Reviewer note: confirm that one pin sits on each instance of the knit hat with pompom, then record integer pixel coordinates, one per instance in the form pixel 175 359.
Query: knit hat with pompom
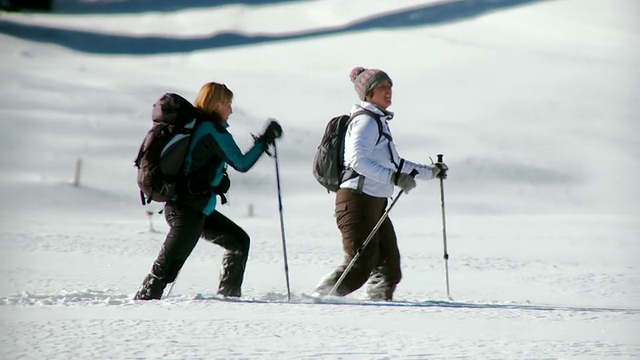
pixel 366 79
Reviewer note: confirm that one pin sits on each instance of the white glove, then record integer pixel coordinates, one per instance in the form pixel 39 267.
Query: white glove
pixel 439 170
pixel 406 182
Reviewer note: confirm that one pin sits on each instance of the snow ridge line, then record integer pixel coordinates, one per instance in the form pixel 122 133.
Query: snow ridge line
pixel 304 299
pixel 110 297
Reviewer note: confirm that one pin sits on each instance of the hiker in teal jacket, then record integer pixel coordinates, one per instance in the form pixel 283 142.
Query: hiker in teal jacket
pixel 212 148
pixel 192 213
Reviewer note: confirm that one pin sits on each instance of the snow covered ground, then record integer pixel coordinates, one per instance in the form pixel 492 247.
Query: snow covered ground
pixel 533 103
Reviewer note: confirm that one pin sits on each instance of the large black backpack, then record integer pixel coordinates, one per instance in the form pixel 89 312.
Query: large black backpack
pixel 164 148
pixel 328 162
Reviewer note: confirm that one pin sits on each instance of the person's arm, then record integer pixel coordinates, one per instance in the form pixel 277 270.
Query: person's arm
pixel 221 142
pixel 425 172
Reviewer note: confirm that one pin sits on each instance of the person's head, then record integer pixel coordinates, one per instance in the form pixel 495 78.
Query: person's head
pixel 215 98
pixel 372 85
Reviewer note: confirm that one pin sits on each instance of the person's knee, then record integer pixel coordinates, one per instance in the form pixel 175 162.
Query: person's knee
pixel 243 243
pixel 239 243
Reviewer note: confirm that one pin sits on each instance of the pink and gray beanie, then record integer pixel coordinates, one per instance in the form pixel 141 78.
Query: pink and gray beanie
pixel 366 79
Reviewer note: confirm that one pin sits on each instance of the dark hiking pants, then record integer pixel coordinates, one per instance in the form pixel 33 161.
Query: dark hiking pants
pixel 379 262
pixel 186 227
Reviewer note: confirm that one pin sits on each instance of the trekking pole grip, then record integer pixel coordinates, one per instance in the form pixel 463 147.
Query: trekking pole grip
pixel 440 156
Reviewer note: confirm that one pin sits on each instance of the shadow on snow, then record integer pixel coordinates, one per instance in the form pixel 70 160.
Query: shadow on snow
pixel 100 43
pixel 140 6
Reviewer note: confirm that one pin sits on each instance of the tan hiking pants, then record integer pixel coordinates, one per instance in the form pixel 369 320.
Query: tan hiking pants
pixel 379 263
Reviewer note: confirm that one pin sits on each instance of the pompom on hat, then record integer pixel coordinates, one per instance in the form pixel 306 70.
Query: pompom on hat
pixel 366 79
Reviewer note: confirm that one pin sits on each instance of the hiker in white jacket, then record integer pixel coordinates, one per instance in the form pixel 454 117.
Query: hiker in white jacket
pixel 373 168
pixel 372 154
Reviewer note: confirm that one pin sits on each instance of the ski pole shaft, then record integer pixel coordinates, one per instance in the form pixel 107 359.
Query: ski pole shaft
pixel 172 284
pixel 284 243
pixel 444 232
pixel 367 240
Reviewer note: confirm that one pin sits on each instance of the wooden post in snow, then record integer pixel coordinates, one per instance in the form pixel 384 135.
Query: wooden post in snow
pixel 76 178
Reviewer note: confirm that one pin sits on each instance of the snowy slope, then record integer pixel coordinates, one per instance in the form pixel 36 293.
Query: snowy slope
pixel 533 103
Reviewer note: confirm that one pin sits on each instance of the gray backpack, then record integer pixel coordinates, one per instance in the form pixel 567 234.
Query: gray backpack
pixel 328 162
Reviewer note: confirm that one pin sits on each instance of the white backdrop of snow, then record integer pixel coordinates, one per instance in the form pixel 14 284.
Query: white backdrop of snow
pixel 535 108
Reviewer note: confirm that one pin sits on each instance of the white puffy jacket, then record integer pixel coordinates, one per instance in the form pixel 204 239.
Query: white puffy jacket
pixel 376 160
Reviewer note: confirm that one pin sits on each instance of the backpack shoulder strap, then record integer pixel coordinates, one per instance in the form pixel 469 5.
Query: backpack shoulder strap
pixel 380 134
pixel 373 115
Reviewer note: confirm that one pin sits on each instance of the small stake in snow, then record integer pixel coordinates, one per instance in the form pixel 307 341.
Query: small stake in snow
pixel 444 233
pixel 76 178
pixel 150 215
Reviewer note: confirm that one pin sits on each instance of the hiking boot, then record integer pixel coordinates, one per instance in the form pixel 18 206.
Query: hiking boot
pixel 151 288
pixel 232 273
pixel 379 288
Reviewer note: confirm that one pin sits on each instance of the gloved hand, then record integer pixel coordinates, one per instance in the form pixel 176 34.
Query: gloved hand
pixel 439 170
pixel 406 182
pixel 272 132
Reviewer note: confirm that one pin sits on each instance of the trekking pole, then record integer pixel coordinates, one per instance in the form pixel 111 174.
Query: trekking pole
pixel 368 239
pixel 284 244
pixel 172 284
pixel 444 232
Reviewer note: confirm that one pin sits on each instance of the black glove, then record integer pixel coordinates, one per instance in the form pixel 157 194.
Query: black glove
pixel 439 170
pixel 272 132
